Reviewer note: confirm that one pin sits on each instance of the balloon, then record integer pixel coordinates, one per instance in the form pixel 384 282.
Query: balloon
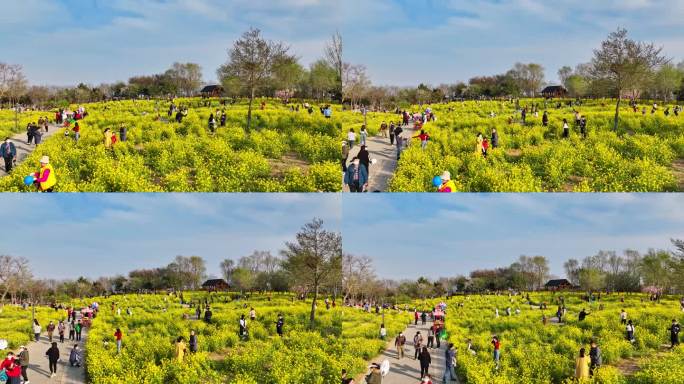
pixel 437 181
pixel 29 180
pixel 3 344
pixel 373 161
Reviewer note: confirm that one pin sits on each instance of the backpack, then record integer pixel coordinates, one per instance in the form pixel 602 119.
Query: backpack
pixel 3 376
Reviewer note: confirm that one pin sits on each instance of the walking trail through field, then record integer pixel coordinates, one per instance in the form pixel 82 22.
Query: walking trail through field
pixel 385 153
pixel 39 368
pixel 23 149
pixel 407 370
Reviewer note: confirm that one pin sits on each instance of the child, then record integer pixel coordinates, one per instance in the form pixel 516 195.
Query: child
pixel 485 147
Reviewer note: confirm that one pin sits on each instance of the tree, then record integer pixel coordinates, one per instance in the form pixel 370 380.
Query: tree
pixel 577 85
pixel 572 270
pixel 12 269
pixel 252 61
pixel 186 77
pixel 529 77
pixel 12 82
pixel 313 259
pixel 355 82
pixel 323 79
pixel 243 279
pixel 227 267
pixel 624 64
pixel 667 80
pixel 333 55
pixel 564 74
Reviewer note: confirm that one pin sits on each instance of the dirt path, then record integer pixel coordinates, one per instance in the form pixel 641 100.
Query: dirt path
pixel 23 149
pixel 407 370
pixel 385 153
pixel 632 365
pixel 39 369
pixel 678 169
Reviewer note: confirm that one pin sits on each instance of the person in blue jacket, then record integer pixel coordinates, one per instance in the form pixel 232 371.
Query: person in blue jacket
pixel 9 153
pixel 356 176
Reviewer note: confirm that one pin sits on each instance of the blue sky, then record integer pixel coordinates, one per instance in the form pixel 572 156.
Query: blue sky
pixel 433 235
pixel 92 235
pixel 402 42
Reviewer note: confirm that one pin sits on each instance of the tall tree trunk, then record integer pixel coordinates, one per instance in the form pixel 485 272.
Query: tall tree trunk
pixel 312 316
pixel 617 112
pixel 249 110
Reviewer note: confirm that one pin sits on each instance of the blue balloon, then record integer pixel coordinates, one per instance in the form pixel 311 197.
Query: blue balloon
pixel 437 181
pixel 29 180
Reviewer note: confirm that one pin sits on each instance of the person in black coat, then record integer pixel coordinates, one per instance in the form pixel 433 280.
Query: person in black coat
pixel 674 333
pixel 425 361
pixel 53 356
pixel 495 138
pixel 364 157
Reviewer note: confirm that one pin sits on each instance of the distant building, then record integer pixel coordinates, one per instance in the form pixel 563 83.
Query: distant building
pixel 212 91
pixel 554 91
pixel 558 285
pixel 214 285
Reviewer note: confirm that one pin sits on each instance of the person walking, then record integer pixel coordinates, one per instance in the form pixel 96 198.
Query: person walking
pixel 391 133
pixel 497 350
pixel 345 156
pixel 180 349
pixel 383 332
pixel 243 327
pixel 630 331
pixel 623 317
pixel 118 335
pixel 566 129
pixel 192 342
pixel 363 135
pixel 36 330
pixel 399 343
pixel 582 365
pixel 595 357
pixel 77 132
pixel 674 333
pixel 545 119
pixel 8 152
pixel 78 327
pixel 417 344
pixel 50 331
pixel 279 325
pixel 123 132
pixel 356 176
pixel 449 363
pixel 351 138
pixel 61 328
pixel 107 138
pixel 72 330
pixel 425 361
pixel 364 157
pixel 431 338
pixel 495 139
pixel 53 356
pixel 24 361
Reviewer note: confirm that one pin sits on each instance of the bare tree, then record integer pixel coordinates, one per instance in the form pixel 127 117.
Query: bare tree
pixel 251 64
pixel 227 268
pixel 12 82
pixel 355 82
pixel 313 258
pixel 623 64
pixel 333 55
pixel 13 271
pixel 186 77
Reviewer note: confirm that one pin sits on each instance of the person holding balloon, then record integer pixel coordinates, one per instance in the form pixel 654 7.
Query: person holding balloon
pixel 45 178
pixel 444 183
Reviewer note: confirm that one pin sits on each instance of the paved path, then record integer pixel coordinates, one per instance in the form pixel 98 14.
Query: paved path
pixel 380 149
pixel 23 149
pixel 407 370
pixel 39 369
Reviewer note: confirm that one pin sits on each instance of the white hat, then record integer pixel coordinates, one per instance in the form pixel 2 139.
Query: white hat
pixel 446 175
pixel 45 160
